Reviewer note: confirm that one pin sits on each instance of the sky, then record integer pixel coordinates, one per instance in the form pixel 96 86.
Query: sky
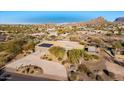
pixel 40 17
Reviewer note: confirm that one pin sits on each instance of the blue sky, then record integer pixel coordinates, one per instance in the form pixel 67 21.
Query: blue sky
pixel 37 17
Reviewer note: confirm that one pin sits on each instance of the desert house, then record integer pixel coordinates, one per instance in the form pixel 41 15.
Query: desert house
pixel 92 49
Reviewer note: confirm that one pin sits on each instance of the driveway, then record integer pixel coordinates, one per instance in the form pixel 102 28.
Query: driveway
pixel 50 68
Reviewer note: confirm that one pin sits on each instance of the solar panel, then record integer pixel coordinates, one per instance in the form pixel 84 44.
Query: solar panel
pixel 45 45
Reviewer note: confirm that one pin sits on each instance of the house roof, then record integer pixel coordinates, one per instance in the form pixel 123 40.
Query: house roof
pixel 2 38
pixel 91 48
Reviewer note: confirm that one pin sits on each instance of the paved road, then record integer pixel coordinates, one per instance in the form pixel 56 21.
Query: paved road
pixel 17 77
pixel 20 77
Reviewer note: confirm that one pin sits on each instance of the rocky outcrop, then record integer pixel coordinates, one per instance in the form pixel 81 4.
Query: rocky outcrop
pixel 119 20
pixel 99 20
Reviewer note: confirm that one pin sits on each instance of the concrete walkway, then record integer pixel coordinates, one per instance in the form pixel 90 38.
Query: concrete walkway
pixel 50 68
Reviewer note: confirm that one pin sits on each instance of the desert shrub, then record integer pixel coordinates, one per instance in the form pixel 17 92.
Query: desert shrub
pixel 14 48
pixel 74 55
pixel 18 44
pixel 74 38
pixel 50 59
pixel 97 41
pixel 117 44
pixel 60 31
pixel 82 43
pixel 1 63
pixel 108 73
pixel 57 51
pixel 83 68
pixel 2 47
pixel 108 34
pixel 15 45
pixel 65 61
pixel 44 57
pixel 59 59
pixel 87 56
pixel 30 69
pixel 112 75
pixel 122 43
pixel 99 78
pixel 74 76
pixel 9 57
pixel 95 57
pixel 30 45
pixel 5 57
pixel 91 75
pixel 53 37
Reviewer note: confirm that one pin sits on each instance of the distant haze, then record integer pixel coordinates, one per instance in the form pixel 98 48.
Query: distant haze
pixel 40 17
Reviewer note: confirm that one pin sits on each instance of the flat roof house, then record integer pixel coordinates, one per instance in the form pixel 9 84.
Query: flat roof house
pixel 2 38
pixel 92 49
